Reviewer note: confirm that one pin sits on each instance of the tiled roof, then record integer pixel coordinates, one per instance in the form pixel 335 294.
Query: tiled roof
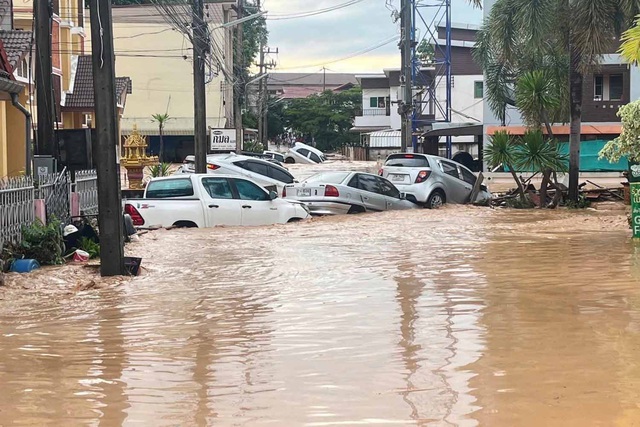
pixel 82 95
pixel 313 79
pixel 16 43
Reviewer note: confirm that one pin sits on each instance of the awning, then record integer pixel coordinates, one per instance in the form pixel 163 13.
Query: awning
pixel 368 129
pixel 385 139
pixel 454 129
pixel 587 129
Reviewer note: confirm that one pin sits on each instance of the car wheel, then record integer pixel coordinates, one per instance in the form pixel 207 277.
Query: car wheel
pixel 436 200
pixel 355 209
pixel 289 160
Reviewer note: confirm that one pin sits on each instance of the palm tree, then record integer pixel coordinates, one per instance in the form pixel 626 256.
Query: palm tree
pixel 520 35
pixel 502 152
pixel 536 154
pixel 162 120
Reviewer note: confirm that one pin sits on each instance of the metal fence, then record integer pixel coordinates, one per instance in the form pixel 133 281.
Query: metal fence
pixel 86 185
pixel 55 190
pixel 16 207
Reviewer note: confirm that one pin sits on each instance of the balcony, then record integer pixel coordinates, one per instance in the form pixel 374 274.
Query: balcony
pixel 375 112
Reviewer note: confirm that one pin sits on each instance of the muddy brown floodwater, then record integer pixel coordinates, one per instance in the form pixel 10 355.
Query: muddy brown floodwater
pixel 455 317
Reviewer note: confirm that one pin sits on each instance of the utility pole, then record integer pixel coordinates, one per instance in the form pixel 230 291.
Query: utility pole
pixel 263 98
pixel 324 79
pixel 104 147
pixel 262 138
pixel 199 95
pixel 407 70
pixel 239 80
pixel 43 10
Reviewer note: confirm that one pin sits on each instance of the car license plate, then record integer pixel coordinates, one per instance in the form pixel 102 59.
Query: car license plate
pixel 305 192
pixel 397 178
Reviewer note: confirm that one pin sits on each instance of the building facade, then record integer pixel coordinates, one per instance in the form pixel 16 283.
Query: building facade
pixel 158 59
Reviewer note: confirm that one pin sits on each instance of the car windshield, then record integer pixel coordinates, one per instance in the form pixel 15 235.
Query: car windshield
pixel 329 177
pixel 407 161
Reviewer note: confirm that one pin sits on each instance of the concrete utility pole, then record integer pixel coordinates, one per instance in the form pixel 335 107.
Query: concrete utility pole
pixel 200 45
pixel 407 68
pixel 263 97
pixel 43 10
pixel 104 147
pixel 239 83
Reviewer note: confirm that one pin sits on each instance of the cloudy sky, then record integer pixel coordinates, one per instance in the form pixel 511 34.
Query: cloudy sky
pixel 307 44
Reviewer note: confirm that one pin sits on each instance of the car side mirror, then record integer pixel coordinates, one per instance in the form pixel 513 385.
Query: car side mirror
pixel 273 195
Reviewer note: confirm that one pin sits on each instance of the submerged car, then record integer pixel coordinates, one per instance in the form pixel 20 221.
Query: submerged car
pixel 432 180
pixel 306 154
pixel 265 173
pixel 334 193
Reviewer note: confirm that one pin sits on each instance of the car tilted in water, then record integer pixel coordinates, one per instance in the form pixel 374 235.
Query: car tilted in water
pixel 305 154
pixel 334 193
pixel 431 180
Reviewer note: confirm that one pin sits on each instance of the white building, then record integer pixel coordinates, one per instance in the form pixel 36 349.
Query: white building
pixel 380 122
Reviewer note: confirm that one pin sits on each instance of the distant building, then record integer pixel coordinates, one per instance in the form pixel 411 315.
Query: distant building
pixel 301 85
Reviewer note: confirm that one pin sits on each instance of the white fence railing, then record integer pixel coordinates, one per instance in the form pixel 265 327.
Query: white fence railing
pixel 18 197
pixel 16 207
pixel 86 185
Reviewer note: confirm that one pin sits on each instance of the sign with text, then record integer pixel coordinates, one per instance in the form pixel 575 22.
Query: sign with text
pixel 634 180
pixel 222 139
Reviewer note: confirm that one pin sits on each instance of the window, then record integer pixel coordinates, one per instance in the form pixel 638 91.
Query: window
pixel 449 169
pixel 259 168
pixel 303 152
pixel 218 188
pixel 468 177
pixel 378 102
pixel 315 157
pixel 407 161
pixel 249 191
pixel 167 188
pixel 478 90
pixel 280 175
pixel 615 87
pixel 353 183
pixel 598 88
pixel 368 183
pixel 388 189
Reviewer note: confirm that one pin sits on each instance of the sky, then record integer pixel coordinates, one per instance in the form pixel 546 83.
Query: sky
pixel 307 44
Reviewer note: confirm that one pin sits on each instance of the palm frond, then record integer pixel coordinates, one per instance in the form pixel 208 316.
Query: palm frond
pixel 501 150
pixel 536 97
pixel 592 29
pixel 630 46
pixel 534 153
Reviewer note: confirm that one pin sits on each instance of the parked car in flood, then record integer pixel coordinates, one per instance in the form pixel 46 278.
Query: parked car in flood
pixel 264 172
pixel 334 193
pixel 305 154
pixel 432 180
pixel 279 157
pixel 203 200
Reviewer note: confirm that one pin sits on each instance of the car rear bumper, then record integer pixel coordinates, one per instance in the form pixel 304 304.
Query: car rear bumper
pixel 419 191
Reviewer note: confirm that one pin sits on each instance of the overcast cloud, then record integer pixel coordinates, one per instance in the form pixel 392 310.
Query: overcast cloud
pixel 305 44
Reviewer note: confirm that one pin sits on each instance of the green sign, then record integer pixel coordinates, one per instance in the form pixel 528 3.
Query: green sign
pixel 634 180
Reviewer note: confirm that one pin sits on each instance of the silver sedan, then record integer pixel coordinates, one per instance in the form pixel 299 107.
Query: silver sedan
pixel 334 193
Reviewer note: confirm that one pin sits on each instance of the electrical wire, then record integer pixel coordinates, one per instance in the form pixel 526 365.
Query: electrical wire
pixel 278 17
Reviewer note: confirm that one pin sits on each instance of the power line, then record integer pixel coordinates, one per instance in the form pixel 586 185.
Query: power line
pixel 353 55
pixel 278 17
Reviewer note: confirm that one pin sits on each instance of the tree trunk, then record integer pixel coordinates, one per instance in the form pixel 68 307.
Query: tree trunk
pixel 518 183
pixel 160 155
pixel 546 174
pixel 575 82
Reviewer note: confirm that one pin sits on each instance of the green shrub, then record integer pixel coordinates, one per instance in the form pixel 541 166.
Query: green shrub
pixel 39 242
pixel 90 247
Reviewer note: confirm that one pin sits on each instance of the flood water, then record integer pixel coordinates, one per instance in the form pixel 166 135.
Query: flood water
pixel 455 317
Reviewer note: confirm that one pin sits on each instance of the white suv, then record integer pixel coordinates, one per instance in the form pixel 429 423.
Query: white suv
pixel 303 153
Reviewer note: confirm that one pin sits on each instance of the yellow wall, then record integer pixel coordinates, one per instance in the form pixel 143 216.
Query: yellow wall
pixel 16 138
pixel 3 138
pixel 160 84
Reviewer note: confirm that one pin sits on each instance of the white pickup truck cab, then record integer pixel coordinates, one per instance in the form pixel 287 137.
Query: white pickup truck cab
pixel 202 200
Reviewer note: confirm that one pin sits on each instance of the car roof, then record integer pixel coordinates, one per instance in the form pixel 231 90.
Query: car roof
pixel 308 147
pixel 430 156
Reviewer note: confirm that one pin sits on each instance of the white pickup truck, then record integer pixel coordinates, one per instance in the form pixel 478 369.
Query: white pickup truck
pixel 201 200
